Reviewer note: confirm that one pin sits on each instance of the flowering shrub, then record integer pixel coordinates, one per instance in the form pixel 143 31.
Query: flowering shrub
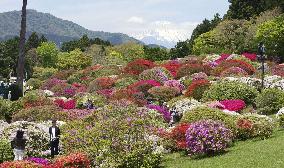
pixel 20 164
pixel 72 160
pixel 158 74
pixel 207 137
pixel 144 85
pixel 96 99
pixel 138 66
pixel 34 83
pixel 163 93
pixel 165 112
pixel 172 66
pixel 251 56
pixel 189 69
pixel 233 71
pixel 278 70
pixel 124 82
pixel 222 58
pixel 206 113
pixel 40 161
pixel 199 76
pixel 178 135
pixel 63 89
pixel 5 150
pixel 130 95
pixel 69 104
pixel 228 90
pixel 79 87
pixel 107 93
pixel 49 83
pixel 75 114
pixel 64 74
pixel 197 88
pixel 175 84
pixel 101 83
pixel 39 113
pixel 269 101
pixel 43 73
pixel 244 127
pixel 183 104
pixel 234 63
pixel 262 126
pixel 35 98
pixel 233 105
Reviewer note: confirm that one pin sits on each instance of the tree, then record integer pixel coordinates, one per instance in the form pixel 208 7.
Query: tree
pixel 155 53
pixel 21 59
pixel 48 53
pixel 33 41
pixel 42 39
pixel 244 9
pixel 181 50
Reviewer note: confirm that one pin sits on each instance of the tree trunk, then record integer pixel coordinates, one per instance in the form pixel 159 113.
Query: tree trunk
pixel 21 59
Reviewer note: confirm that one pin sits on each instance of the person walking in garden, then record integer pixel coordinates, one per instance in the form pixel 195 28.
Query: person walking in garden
pixel 54 133
pixel 18 144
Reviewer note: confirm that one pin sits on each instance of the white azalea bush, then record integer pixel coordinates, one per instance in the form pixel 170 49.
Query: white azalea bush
pixel 184 104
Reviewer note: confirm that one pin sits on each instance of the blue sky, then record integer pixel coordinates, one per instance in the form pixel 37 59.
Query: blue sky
pixel 133 17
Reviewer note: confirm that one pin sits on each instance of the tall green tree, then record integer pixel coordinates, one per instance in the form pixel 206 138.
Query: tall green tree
pixel 155 53
pixel 33 41
pixel 21 59
pixel 246 9
pixel 48 54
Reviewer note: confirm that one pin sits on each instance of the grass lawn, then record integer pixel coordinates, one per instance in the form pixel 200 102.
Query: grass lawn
pixel 245 154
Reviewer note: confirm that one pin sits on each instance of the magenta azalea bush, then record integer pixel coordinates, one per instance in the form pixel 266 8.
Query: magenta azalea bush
pixel 233 105
pixel 175 84
pixel 41 161
pixel 162 110
pixel 207 137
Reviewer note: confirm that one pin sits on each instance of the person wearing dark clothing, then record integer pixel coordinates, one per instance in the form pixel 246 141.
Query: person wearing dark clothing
pixel 18 144
pixel 54 133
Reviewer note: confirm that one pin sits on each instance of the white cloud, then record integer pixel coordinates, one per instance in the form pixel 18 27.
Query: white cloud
pixel 135 19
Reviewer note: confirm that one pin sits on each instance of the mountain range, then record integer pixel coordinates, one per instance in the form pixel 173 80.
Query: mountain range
pixel 53 28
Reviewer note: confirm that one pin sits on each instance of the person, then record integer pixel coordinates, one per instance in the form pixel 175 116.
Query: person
pixel 18 144
pixel 54 133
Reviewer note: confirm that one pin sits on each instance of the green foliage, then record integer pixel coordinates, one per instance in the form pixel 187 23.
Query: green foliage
pixel 269 101
pixel 243 9
pixel 6 109
pixel 34 83
pixel 124 82
pixel 271 33
pixel 43 73
pixel 206 43
pixel 48 53
pixel 6 153
pixel 33 41
pixel 163 93
pixel 155 54
pixel 159 74
pixel 40 113
pixel 181 49
pixel 97 100
pixel 75 59
pixel 129 51
pixel 226 90
pixel 206 113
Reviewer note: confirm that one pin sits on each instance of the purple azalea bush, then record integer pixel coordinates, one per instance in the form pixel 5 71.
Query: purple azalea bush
pixel 40 161
pixel 207 137
pixel 162 110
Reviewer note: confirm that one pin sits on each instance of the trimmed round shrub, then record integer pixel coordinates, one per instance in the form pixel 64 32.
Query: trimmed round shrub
pixel 233 105
pixel 72 160
pixel 189 69
pixel 39 113
pixel 63 89
pixel 138 66
pixel 43 73
pixel 101 83
pixel 34 83
pixel 175 84
pixel 208 137
pixel 124 82
pixel 163 93
pixel 64 74
pixel 96 99
pixel 197 88
pixel 199 76
pixel 6 151
pixel 206 113
pixel 234 63
pixel 172 66
pixel 178 135
pixel 143 86
pixel 269 101
pixel 278 70
pixel 49 83
pixel 158 74
pixel 228 90
pixel 35 98
pixel 233 71
pixel 262 126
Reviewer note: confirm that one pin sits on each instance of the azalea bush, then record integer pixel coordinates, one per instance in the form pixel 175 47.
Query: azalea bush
pixel 197 88
pixel 63 89
pixel 68 104
pixel 101 83
pixel 227 90
pixel 175 84
pixel 6 153
pixel 172 66
pixel 278 70
pixel 20 164
pixel 158 74
pixel 269 101
pixel 182 104
pixel 64 74
pixel 199 76
pixel 96 99
pixel 233 105
pixel 51 82
pixel 234 63
pixel 245 128
pixel 163 93
pixel 208 137
pixel 138 66
pixel 72 160
pixel 35 98
pixel 189 69
pixel 233 71
pixel 178 135
pixel 124 82
pixel 34 83
pixel 206 113
pixel 144 85
pixel 40 161
pixel 162 110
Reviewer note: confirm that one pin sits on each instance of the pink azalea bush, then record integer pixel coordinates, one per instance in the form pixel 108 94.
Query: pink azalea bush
pixel 251 56
pixel 174 84
pixel 233 105
pixel 199 76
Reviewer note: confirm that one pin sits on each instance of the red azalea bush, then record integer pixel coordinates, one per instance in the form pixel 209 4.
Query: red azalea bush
pixel 35 98
pixel 233 71
pixel 101 83
pixel 278 70
pixel 21 164
pixel 188 69
pixel 69 104
pixel 64 74
pixel 222 58
pixel 79 87
pixel 73 160
pixel 106 92
pixel 163 93
pixel 251 56
pixel 197 88
pixel 234 63
pixel 233 105
pixel 130 95
pixel 178 135
pixel 245 128
pixel 138 66
pixel 143 85
pixel 172 66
